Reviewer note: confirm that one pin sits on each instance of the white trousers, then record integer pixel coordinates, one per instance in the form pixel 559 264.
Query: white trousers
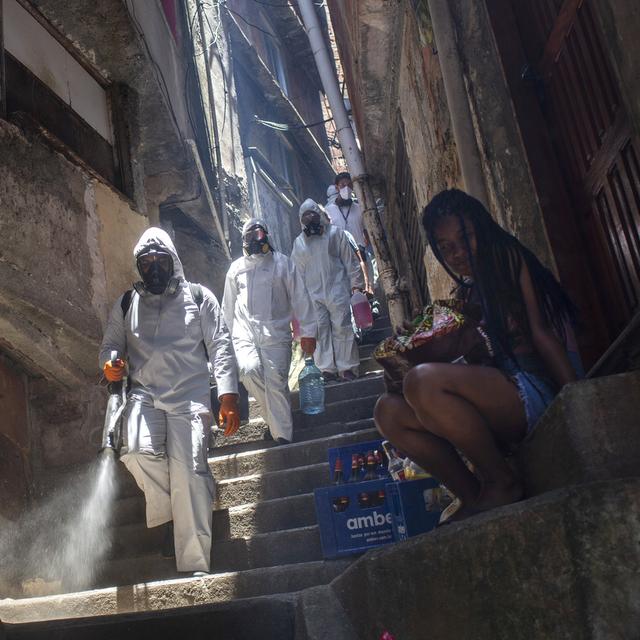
pixel 167 455
pixel 336 350
pixel 264 371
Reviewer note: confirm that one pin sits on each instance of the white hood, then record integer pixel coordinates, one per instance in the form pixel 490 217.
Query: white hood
pixel 254 222
pixel 311 205
pixel 154 236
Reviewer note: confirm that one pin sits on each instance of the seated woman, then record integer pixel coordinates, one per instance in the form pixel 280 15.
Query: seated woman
pixel 451 409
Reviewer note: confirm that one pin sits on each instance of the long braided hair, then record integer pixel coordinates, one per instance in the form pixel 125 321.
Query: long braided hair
pixel 496 268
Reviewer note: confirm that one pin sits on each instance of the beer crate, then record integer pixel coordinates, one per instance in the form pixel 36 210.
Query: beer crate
pixel 350 523
pixel 345 453
pixel 415 506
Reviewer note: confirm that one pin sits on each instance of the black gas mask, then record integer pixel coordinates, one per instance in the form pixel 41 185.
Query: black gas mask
pixel 156 268
pixel 311 224
pixel 256 241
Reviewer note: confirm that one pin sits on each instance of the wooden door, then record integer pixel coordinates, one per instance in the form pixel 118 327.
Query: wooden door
pixel 591 185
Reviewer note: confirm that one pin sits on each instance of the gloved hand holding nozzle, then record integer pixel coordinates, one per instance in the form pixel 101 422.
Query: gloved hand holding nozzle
pixel 114 369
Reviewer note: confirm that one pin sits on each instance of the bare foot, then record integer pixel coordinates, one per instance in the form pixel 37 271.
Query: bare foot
pixel 491 496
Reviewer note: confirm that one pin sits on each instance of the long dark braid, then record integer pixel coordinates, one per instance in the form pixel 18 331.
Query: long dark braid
pixel 496 269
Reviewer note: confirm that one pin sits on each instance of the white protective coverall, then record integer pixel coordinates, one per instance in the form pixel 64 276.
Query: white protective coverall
pixel 330 269
pixel 261 293
pixel 168 412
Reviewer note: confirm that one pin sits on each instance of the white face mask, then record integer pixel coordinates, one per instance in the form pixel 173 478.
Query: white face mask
pixel 345 193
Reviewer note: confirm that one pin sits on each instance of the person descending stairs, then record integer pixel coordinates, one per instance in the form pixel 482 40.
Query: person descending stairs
pixel 265 534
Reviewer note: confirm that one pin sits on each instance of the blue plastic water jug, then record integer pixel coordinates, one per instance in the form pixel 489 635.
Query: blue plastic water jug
pixel 311 385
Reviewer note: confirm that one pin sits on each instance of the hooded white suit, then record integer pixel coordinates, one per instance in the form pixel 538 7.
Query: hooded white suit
pixel 261 293
pixel 163 339
pixel 330 269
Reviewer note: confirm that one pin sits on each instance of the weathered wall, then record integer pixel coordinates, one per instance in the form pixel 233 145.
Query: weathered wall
pixel 395 82
pixel 65 256
pixel 512 195
pixel 429 140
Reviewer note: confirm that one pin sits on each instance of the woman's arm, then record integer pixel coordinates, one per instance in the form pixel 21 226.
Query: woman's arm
pixel 544 339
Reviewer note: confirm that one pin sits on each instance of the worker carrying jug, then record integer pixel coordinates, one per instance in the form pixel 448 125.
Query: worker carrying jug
pixel 262 292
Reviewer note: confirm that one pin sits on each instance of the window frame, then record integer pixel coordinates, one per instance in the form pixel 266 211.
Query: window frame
pixel 116 98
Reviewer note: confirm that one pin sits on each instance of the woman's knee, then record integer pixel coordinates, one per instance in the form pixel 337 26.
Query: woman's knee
pixel 423 382
pixel 385 414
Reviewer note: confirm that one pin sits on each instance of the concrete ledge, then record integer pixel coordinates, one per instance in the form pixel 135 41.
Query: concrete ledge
pixel 285 457
pixel 562 565
pixel 273 615
pixel 276 484
pixel 590 432
pixel 172 594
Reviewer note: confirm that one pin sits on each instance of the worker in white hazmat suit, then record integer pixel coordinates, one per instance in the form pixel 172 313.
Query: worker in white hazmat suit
pixel 262 291
pixel 331 272
pixel 166 334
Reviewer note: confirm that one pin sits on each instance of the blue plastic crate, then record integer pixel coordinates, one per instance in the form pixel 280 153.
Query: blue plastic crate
pixel 345 453
pixel 415 506
pixel 345 526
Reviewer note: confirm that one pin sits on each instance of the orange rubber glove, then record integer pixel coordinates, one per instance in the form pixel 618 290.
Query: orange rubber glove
pixel 229 413
pixel 308 345
pixel 113 371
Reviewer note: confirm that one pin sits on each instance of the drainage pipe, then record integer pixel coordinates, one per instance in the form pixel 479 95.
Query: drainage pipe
pixel 397 299
pixel 459 111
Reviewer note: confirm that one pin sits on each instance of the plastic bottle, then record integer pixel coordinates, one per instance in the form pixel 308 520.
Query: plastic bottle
pixel 311 385
pixel 396 463
pixel 361 310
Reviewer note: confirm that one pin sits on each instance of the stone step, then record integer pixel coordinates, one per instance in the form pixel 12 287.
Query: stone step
pixel 287 456
pixel 153 595
pixel 286 546
pixel 356 408
pixel 366 385
pixel 251 435
pixel 350 432
pixel 590 432
pixel 275 484
pixel 560 565
pixel 235 620
pixel 370 366
pixel 242 521
pixel 130 504
pixel 369 383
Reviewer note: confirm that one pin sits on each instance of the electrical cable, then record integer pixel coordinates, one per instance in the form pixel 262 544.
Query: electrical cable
pixel 281 126
pixel 255 26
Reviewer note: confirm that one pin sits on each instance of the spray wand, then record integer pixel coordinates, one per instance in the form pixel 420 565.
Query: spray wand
pixel 112 430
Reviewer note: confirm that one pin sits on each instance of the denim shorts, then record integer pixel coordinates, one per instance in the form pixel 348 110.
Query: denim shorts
pixel 536 391
pixel 536 394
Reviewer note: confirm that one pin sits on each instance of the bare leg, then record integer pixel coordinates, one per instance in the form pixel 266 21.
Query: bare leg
pixel 470 407
pixel 398 423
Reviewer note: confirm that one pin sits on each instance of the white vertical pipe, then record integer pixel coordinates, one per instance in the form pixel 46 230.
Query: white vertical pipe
pixel 396 299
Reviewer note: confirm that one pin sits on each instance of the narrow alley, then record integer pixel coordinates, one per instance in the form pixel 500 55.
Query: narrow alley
pixel 319 319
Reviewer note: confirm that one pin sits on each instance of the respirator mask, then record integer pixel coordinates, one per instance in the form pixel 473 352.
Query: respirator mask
pixel 311 224
pixel 345 194
pixel 256 241
pixel 156 270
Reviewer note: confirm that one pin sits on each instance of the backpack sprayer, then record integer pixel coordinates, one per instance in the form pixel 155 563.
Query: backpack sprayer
pixel 112 430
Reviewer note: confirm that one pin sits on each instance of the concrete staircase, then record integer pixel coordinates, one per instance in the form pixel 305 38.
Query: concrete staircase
pixel 561 564
pixel 266 541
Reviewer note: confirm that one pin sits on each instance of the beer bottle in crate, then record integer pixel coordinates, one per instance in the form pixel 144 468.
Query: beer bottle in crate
pixel 338 476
